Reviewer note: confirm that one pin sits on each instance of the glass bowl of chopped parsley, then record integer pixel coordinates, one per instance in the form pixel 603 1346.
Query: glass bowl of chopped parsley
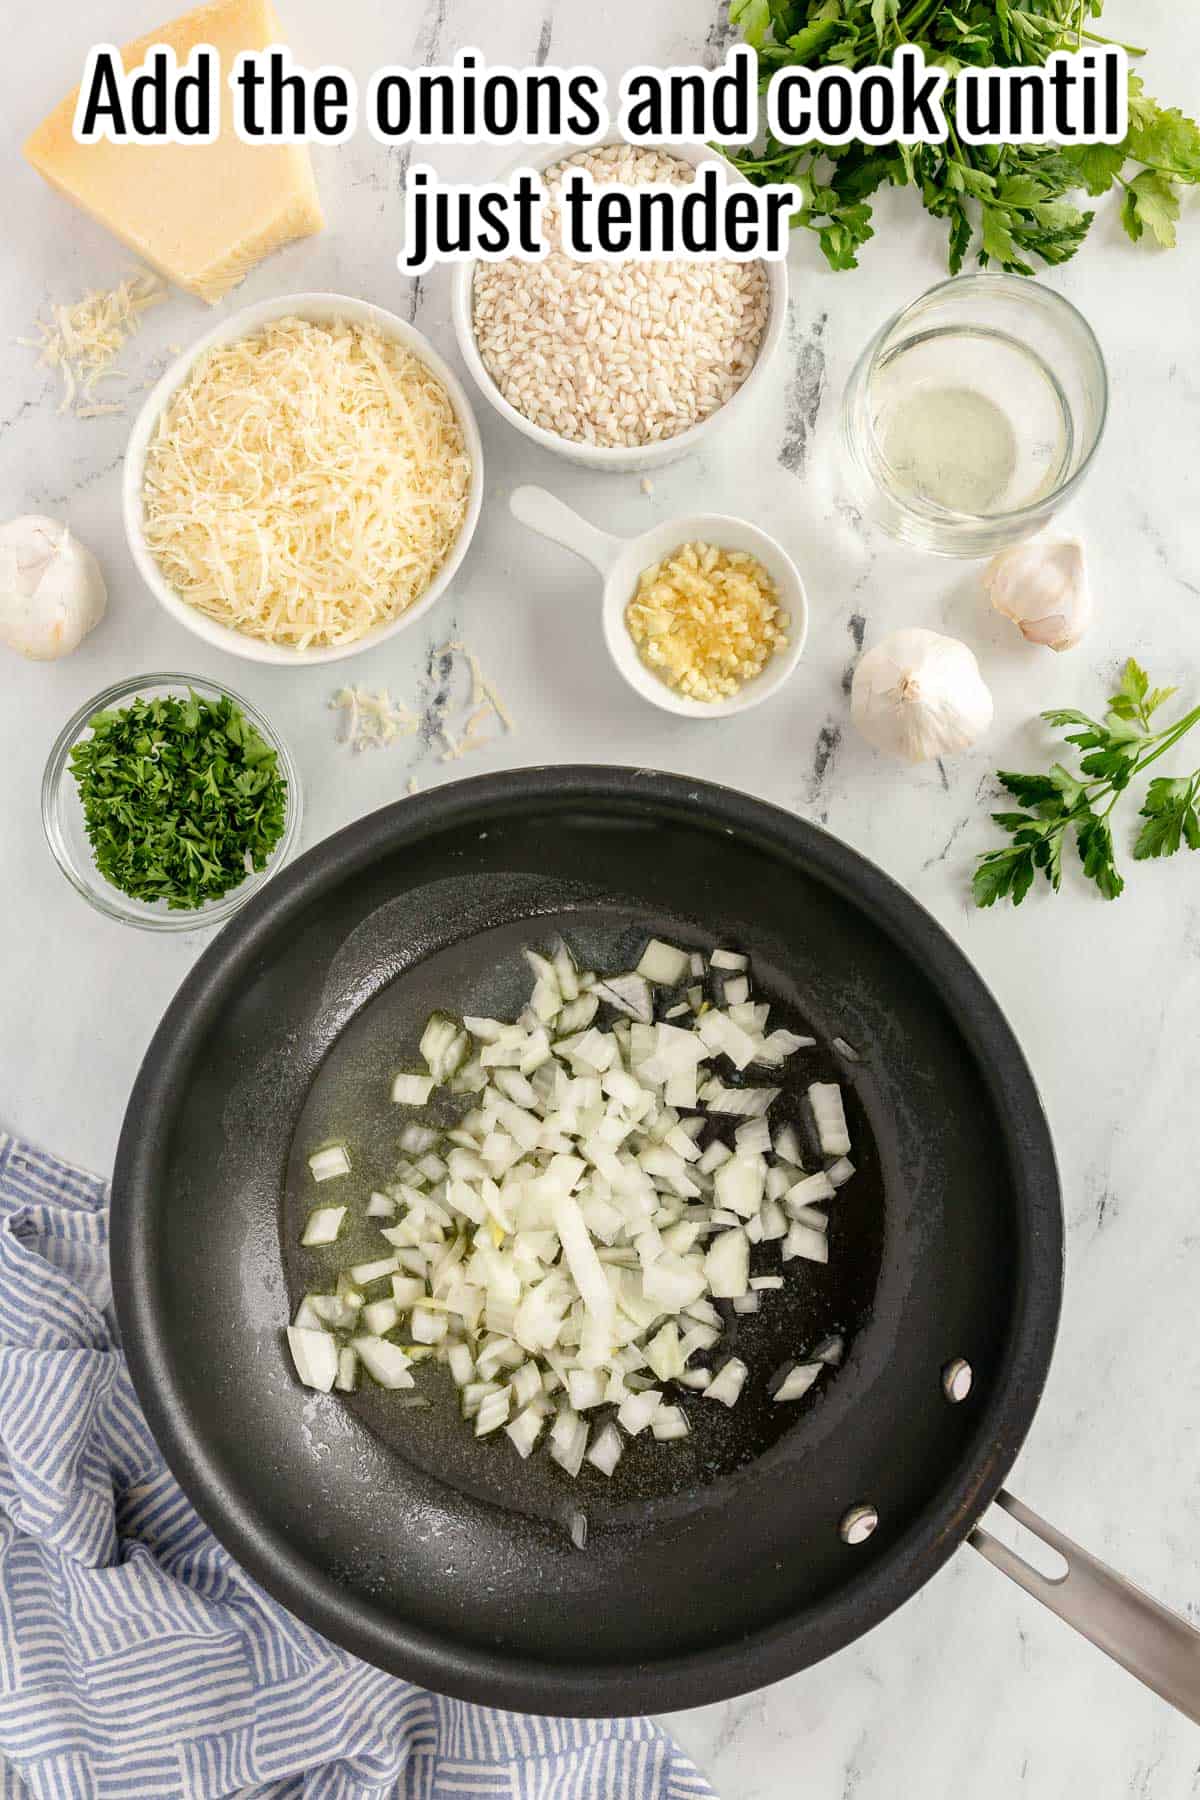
pixel 168 801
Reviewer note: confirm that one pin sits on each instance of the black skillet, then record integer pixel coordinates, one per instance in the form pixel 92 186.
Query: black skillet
pixel 712 1566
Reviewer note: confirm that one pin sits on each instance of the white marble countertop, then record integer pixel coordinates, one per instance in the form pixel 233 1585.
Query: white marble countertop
pixel 971 1689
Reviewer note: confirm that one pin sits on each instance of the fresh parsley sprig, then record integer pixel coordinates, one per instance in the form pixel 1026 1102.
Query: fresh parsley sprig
pixel 1010 201
pixel 181 798
pixel 1059 805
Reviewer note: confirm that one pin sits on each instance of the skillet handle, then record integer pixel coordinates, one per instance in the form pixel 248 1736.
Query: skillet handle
pixel 1157 1646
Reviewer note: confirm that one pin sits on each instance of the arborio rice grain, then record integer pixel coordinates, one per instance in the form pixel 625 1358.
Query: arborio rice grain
pixel 617 353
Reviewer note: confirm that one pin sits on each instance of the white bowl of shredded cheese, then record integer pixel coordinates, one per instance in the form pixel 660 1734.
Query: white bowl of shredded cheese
pixel 303 481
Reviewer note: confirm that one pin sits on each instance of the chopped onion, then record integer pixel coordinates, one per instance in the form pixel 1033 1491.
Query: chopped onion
pixel 804 1241
pixel 606 1451
pixel 380 1317
pixel 315 1354
pixel 810 1215
pixel 323 1225
pixel 751 1102
pixel 727 1265
pixel 578 1014
pixel 669 1423
pixel 386 1363
pixel 699 1337
pixel 728 1382
pixel 664 964
pixel 664 1352
pixel 637 1411
pixel 787 1146
pixel 569 1441
pixel 754 1137
pixel 705 1313
pixel 329 1163
pixel 417 1139
pixel 713 1156
pixel 840 1172
pixel 738 1187
pixel 809 1192
pixel 559 1247
pixel 586 1388
pixel 493 1411
pixel 346 1379
pixel 565 972
pixel 363 1274
pixel 629 994
pixel 773 1220
pixel 796 1383
pixel 412 1090
pixel 846 1050
pixel 825 1097
pixel 524 1431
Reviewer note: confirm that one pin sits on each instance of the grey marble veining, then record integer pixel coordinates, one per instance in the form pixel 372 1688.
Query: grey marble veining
pixel 971 1690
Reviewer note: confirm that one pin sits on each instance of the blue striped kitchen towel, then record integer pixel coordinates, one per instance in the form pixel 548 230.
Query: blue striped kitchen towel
pixel 136 1659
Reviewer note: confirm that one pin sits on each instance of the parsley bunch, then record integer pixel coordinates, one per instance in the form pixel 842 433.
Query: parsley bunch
pixel 1060 804
pixel 181 798
pixel 1009 200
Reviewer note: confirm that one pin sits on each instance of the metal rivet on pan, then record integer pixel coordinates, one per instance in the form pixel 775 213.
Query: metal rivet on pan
pixel 957 1377
pixel 858 1524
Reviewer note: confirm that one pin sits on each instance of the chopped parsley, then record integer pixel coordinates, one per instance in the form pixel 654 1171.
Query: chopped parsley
pixel 182 798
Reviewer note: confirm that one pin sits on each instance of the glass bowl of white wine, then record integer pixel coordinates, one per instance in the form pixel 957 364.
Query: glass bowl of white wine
pixel 974 414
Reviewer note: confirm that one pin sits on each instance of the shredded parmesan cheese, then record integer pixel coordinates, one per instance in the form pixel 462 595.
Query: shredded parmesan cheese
pixel 485 701
pixel 307 483
pixel 376 720
pixel 705 620
pixel 373 720
pixel 84 340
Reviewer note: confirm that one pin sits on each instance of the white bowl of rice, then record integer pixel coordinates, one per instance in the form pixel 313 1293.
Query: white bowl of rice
pixel 304 481
pixel 618 365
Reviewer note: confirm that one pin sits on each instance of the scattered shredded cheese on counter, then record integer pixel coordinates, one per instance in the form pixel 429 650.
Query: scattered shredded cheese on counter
pixel 705 620
pixel 307 483
pixel 485 701
pixel 373 720
pixel 84 340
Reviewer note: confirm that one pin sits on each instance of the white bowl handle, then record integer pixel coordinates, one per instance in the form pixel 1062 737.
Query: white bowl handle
pixel 548 516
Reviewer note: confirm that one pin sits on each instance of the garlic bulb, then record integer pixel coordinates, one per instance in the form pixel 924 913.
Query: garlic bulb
pixel 920 695
pixel 51 588
pixel 1042 586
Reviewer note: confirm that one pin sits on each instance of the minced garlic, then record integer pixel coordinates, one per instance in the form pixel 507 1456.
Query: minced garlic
pixel 705 620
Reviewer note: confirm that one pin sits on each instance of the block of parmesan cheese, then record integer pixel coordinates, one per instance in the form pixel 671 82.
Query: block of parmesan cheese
pixel 202 214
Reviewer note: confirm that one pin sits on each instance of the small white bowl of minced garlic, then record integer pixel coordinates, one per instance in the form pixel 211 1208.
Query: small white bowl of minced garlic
pixel 704 615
